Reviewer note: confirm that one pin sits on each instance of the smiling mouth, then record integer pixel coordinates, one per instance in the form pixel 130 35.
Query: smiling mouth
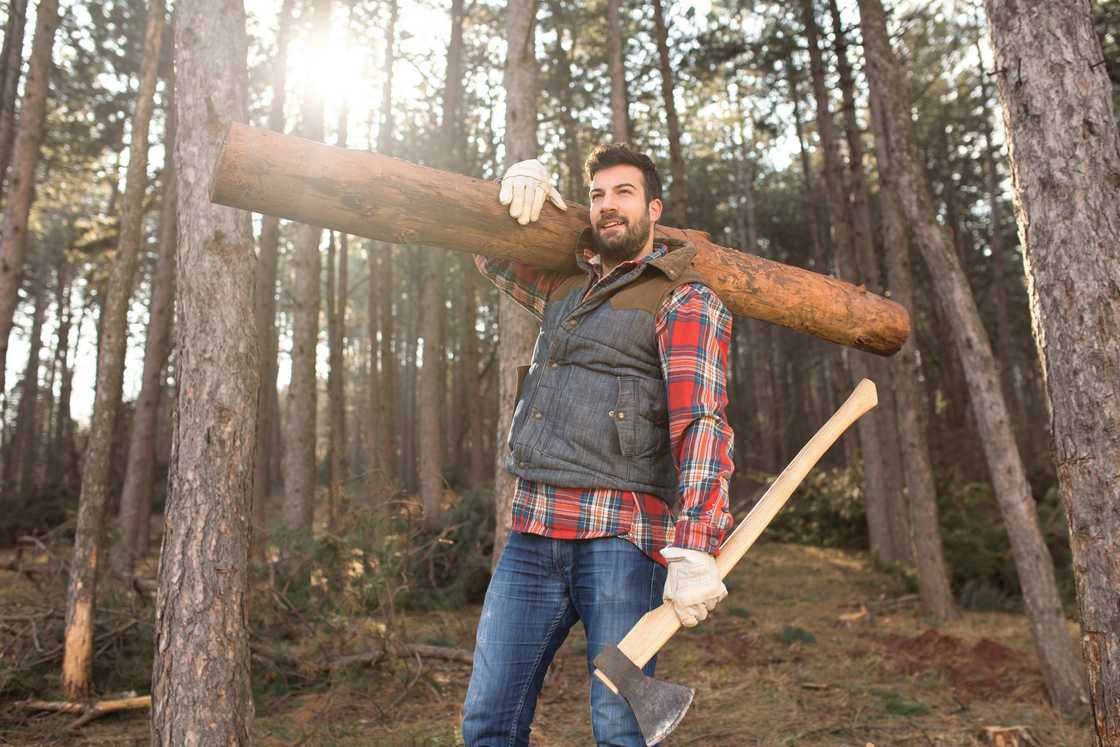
pixel 606 225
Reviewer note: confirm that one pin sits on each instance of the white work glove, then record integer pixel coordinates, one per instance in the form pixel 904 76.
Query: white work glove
pixel 693 586
pixel 525 186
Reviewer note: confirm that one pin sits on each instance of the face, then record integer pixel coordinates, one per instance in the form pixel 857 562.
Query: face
pixel 621 221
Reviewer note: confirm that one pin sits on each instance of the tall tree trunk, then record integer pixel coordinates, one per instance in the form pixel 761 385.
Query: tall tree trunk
pixel 21 186
pixel 299 427
pixel 264 307
pixel 517 328
pixel 678 198
pixel 1060 667
pixel 136 498
pixel 77 660
pixel 876 488
pixel 379 256
pixel 921 489
pixel 336 339
pixel 56 462
pixel 472 378
pixel 335 406
pixel 563 93
pixel 882 370
pixel 27 434
pixel 1067 203
pixel 11 64
pixel 429 390
pixel 620 107
pixel 201 692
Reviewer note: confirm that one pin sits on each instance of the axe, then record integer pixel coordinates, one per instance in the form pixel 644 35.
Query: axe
pixel 660 706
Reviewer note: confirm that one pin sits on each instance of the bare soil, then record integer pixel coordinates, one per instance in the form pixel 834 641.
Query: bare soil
pixel 812 647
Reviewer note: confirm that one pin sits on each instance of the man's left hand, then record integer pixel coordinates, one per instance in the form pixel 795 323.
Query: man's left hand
pixel 525 187
pixel 693 585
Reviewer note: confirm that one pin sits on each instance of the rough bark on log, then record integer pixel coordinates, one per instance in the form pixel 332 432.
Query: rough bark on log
pixel 378 197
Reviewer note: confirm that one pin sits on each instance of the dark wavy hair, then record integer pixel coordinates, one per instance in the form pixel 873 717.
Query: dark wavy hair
pixel 621 154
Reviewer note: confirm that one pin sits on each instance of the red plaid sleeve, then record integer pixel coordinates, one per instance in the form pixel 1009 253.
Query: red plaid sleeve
pixel 693 334
pixel 527 285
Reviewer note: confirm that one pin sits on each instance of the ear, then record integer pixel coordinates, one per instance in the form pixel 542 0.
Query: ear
pixel 655 208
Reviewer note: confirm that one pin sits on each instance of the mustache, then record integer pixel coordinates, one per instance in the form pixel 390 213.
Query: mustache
pixel 611 219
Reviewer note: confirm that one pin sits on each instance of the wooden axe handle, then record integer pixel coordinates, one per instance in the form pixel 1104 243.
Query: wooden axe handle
pixel 657 626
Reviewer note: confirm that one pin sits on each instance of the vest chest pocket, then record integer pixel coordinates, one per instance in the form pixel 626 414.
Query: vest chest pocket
pixel 637 436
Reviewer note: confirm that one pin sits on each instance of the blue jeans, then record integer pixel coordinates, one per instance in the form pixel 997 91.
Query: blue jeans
pixel 540 589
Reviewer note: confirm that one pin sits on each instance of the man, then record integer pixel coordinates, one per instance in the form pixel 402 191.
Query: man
pixel 620 419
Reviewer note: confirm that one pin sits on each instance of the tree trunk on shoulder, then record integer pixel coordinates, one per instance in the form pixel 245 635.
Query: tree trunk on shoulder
pixel 201 691
pixel 89 535
pixel 516 327
pixel 20 188
pixel 1060 666
pixel 921 490
pixel 11 63
pixel 264 309
pixel 677 212
pixel 1067 194
pixel 306 266
pixel 136 498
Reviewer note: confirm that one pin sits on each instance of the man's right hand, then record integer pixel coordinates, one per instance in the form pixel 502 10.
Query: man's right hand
pixel 525 187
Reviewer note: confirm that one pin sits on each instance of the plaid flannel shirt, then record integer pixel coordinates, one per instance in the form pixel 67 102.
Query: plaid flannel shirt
pixel 693 330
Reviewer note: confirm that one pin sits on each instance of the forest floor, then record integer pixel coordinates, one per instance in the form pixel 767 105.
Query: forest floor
pixel 812 647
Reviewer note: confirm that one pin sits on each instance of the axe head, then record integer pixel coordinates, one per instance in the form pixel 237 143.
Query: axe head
pixel 658 706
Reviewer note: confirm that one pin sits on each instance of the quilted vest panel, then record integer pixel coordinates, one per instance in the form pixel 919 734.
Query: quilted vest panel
pixel 593 410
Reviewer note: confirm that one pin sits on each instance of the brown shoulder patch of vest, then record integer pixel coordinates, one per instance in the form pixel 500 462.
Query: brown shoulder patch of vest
pixel 649 292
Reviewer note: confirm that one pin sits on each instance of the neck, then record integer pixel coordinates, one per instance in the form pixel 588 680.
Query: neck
pixel 645 252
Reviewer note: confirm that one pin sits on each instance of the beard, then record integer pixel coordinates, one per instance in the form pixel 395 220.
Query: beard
pixel 622 246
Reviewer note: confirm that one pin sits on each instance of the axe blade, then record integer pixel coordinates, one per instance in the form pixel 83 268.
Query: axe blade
pixel 658 706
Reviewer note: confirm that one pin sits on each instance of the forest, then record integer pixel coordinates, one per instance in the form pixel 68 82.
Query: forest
pixel 253 470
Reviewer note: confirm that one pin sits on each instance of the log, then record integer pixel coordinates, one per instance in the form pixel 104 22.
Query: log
pixel 387 199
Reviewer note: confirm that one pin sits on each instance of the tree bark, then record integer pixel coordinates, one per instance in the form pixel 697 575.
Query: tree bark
pixel 77 660
pixel 299 427
pixel 383 380
pixel 57 461
pixel 1060 667
pixel 26 441
pixel 264 307
pixel 336 341
pixel 201 691
pixel 677 210
pixel 876 486
pixel 887 452
pixel 21 186
pixel 1066 181
pixel 429 392
pixel 11 64
pixel 921 489
pixel 136 497
pixel 471 375
pixel 517 328
pixel 620 116
pixel 374 196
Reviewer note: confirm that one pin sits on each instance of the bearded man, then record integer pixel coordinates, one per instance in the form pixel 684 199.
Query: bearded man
pixel 620 444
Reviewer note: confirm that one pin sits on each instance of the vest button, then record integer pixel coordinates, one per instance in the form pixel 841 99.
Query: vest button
pixel 522 464
pixel 537 414
pixel 621 415
pixel 610 414
pixel 570 324
pixel 553 364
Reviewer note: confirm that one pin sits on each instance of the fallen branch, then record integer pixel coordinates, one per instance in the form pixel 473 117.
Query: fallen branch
pixel 423 650
pixel 88 711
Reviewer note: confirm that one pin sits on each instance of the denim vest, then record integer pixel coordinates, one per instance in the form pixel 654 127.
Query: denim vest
pixel 593 411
